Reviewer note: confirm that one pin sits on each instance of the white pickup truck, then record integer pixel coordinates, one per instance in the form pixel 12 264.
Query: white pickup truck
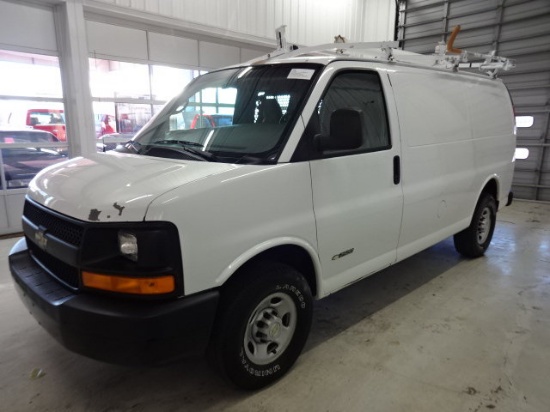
pixel 218 239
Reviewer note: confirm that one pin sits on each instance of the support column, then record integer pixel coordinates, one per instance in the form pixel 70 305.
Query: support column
pixel 73 60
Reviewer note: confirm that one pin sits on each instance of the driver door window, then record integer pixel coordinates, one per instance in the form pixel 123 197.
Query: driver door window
pixel 359 91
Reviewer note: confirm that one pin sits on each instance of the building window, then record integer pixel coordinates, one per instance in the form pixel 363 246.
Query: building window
pixel 166 82
pixel 114 79
pixel 32 117
pixel 126 95
pixel 31 75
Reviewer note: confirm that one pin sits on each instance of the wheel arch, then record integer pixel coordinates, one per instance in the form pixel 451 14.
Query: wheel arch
pixel 492 187
pixel 293 252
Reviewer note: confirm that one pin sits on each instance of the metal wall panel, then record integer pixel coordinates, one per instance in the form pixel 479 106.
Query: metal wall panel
pixel 308 22
pixel 212 55
pixel 173 50
pixel 248 54
pixel 27 26
pixel 519 29
pixel 109 41
pixel 116 41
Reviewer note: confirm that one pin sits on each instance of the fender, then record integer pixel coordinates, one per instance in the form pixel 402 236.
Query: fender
pixel 494 177
pixel 270 244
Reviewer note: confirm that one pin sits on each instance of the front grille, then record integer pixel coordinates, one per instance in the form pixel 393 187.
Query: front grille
pixel 58 227
pixel 67 274
pixel 61 228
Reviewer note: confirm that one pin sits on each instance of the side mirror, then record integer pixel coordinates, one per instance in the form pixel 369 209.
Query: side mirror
pixel 346 131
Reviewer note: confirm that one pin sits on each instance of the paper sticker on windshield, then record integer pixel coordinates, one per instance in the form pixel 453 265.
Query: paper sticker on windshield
pixel 301 74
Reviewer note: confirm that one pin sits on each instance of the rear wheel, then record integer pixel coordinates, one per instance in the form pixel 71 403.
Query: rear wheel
pixel 263 323
pixel 474 240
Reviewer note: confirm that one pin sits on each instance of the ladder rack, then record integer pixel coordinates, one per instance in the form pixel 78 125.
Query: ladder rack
pixel 445 55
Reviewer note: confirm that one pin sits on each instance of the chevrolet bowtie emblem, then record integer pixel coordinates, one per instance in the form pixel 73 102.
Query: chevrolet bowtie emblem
pixel 40 239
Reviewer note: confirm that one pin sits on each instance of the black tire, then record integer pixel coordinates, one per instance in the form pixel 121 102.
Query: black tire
pixel 263 323
pixel 473 241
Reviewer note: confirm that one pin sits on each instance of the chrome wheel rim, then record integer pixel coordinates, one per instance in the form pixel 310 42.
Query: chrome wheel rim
pixel 270 328
pixel 484 226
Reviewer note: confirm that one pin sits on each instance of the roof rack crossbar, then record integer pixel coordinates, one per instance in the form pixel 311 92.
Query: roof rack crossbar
pixel 340 47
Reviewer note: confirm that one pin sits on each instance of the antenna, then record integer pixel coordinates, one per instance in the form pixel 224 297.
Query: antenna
pixel 281 38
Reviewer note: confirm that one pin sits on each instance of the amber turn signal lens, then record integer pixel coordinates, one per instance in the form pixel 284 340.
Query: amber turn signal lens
pixel 122 284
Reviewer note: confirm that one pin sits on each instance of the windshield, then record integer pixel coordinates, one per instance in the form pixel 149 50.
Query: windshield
pixel 43 116
pixel 238 115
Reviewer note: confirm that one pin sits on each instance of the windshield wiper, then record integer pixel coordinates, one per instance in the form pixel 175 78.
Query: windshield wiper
pixel 249 160
pixel 133 145
pixel 129 147
pixel 204 155
pixel 176 141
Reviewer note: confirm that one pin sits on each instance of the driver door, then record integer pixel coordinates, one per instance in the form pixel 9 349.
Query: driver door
pixel 357 194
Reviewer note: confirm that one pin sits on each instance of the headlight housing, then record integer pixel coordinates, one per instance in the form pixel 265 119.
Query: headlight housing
pixel 139 258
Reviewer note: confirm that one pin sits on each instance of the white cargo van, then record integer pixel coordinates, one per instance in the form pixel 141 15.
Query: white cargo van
pixel 219 237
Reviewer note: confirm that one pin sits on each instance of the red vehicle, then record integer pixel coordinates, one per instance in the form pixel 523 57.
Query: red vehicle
pixel 211 120
pixel 50 120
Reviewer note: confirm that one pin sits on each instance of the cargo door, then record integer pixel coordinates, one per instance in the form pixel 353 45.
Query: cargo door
pixel 439 171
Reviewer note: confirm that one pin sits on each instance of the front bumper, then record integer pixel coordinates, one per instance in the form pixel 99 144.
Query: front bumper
pixel 113 329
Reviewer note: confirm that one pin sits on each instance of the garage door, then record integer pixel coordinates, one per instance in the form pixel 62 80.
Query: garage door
pixel 518 29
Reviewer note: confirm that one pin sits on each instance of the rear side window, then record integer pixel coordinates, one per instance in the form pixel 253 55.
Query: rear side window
pixel 360 91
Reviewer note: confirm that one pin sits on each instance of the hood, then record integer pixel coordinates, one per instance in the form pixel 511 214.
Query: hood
pixel 114 187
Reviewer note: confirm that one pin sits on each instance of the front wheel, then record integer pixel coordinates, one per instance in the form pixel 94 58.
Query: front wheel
pixel 474 240
pixel 263 323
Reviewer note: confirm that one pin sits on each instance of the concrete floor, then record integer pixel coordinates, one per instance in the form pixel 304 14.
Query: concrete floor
pixel 434 333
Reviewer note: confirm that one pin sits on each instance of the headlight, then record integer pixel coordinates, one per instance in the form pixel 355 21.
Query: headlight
pixel 128 245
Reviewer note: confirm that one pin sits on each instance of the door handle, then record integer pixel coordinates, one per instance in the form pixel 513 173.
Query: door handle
pixel 396 170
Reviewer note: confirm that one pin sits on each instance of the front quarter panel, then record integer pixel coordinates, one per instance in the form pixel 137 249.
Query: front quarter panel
pixel 227 216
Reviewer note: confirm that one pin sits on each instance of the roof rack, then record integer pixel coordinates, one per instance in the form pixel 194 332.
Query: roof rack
pixel 445 56
pixel 461 58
